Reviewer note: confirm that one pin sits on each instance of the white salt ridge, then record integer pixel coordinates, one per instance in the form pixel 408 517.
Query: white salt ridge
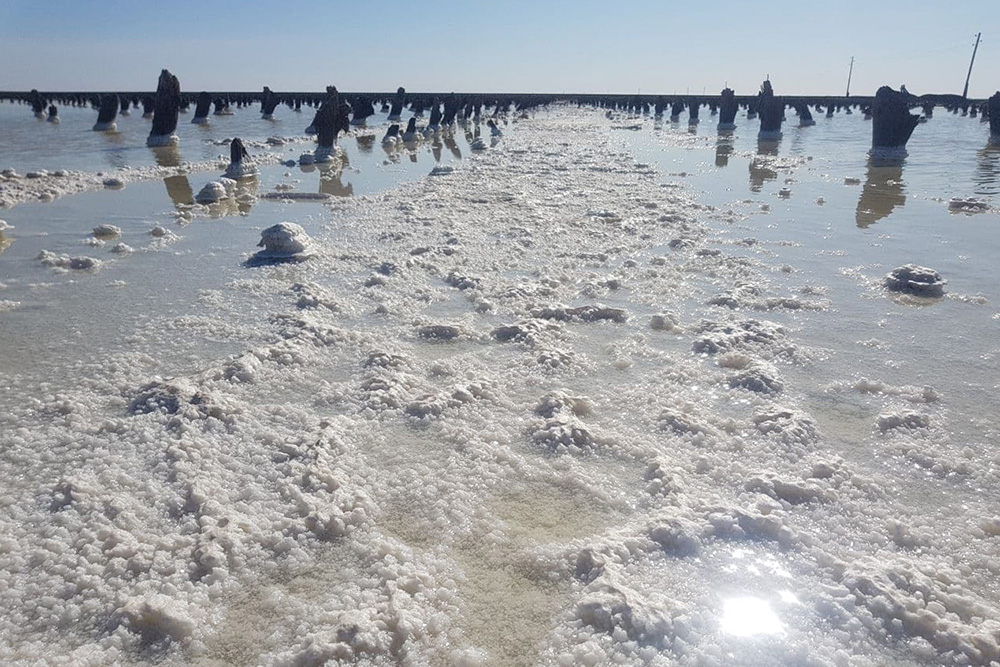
pixel 968 205
pixel 107 231
pixel 57 261
pixel 346 490
pixel 16 190
pixel 216 191
pixel 915 280
pixel 285 240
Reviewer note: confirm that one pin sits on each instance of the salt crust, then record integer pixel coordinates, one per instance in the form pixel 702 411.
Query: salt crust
pixel 351 489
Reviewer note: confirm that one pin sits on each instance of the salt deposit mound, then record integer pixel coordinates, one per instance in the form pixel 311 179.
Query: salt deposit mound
pixel 916 280
pixel 283 242
pixel 216 191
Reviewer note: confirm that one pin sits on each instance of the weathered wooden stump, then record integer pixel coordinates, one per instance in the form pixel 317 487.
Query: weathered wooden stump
pixel 727 111
pixel 201 109
pixel 772 112
pixel 892 124
pixel 166 109
pixel 106 115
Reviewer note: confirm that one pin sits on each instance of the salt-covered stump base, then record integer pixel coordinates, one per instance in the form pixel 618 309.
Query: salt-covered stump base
pixel 726 127
pixel 156 140
pixel 888 153
pixel 283 242
pixel 323 154
pixel 970 205
pixel 216 191
pixel 105 127
pixel 915 280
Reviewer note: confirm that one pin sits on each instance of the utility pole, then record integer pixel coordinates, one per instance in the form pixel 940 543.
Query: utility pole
pixel 849 73
pixel 965 91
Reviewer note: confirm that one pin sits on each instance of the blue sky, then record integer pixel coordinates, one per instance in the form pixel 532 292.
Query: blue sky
pixel 525 46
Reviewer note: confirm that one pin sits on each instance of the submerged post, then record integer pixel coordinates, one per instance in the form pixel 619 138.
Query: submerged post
pixel 53 114
pixel 362 110
pixel 331 118
pixel 993 111
pixel 727 110
pixel 693 106
pixel 166 110
pixel 805 116
pixel 675 111
pixel 892 124
pixel 202 108
pixel 771 112
pixel 397 104
pixel 268 103
pixel 106 116
pixel 37 103
pixel 240 163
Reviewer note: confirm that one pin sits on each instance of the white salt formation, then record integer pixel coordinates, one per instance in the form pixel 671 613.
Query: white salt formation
pixel 284 241
pixel 916 280
pixel 57 261
pixel 216 191
pixel 968 205
pixel 496 420
pixel 107 231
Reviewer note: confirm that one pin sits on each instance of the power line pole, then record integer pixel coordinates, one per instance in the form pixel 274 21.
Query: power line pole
pixel 965 91
pixel 849 73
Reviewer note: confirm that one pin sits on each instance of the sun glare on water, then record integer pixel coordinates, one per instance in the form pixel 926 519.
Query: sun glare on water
pixel 749 617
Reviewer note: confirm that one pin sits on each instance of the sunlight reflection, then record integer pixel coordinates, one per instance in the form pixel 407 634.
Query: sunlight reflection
pixel 748 617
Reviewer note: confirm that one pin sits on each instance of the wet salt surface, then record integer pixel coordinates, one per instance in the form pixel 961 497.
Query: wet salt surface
pixel 454 436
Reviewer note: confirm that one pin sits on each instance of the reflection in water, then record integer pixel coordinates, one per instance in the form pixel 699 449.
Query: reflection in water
pixel 761 170
pixel 243 199
pixel 179 190
pixel 723 149
pixel 366 142
pixel 987 177
pixel 330 182
pixel 436 148
pixel 4 242
pixel 449 141
pixel 167 156
pixel 883 191
pixel 768 146
pixel 748 617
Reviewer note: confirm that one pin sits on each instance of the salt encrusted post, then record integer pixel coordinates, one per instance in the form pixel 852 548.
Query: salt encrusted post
pixel 268 103
pixel 829 111
pixel 397 104
pixel 53 114
pixel 993 110
pixel 124 101
pixel 362 110
pixel 694 105
pixel 727 111
pixel 434 123
pixel 675 110
pixel 201 109
pixel 166 109
pixel 241 164
pixel 451 106
pixel 37 103
pixel 106 116
pixel 148 104
pixel 892 124
pixel 771 111
pixel 331 118
pixel 805 115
